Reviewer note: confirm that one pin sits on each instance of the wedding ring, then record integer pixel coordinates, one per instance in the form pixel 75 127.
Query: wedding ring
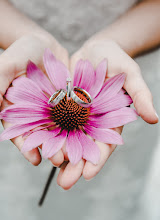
pixel 57 97
pixel 71 93
pixel 80 101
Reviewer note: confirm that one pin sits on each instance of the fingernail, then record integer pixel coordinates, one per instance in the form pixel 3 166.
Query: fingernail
pixel 88 180
pixel 156 115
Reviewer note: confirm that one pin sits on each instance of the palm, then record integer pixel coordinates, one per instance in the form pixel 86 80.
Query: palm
pixel 14 61
pixel 118 61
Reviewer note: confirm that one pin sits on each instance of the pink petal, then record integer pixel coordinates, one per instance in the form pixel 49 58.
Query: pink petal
pixel 17 130
pixel 88 76
pixel 113 119
pixel 25 90
pixel 111 87
pixel 101 71
pixel 36 75
pixel 107 136
pixel 114 84
pixel 53 145
pixel 117 102
pixel 78 73
pixel 36 139
pixel 91 151
pixel 56 70
pixel 73 148
pixel 84 75
pixel 122 91
pixel 24 113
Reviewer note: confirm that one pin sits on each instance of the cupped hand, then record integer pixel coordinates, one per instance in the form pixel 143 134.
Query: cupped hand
pixel 118 62
pixel 13 63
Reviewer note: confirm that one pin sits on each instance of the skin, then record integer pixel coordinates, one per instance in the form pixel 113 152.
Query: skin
pixel 126 38
pixel 13 61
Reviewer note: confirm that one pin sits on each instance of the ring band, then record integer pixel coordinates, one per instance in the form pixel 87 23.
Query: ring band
pixel 71 93
pixel 78 100
pixel 57 97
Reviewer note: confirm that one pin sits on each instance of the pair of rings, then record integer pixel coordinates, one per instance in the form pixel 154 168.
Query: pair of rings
pixel 60 94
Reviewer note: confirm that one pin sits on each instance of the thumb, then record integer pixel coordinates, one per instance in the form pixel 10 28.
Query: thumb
pixel 7 74
pixel 141 96
pixel 11 66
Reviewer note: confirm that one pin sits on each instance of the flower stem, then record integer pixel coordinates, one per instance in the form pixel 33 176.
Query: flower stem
pixel 51 175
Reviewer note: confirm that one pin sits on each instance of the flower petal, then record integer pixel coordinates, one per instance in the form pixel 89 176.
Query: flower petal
pixel 114 84
pixel 111 87
pixel 35 139
pixel 101 71
pixel 17 130
pixel 84 75
pixel 53 145
pixel 122 91
pixel 117 102
pixel 88 76
pixel 24 113
pixel 57 71
pixel 78 73
pixel 73 148
pixel 113 119
pixel 91 151
pixel 36 75
pixel 107 136
pixel 25 90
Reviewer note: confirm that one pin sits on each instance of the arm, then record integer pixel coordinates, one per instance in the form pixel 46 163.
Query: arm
pixel 136 31
pixel 15 25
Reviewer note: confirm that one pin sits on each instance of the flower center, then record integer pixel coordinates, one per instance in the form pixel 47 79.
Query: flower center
pixel 68 114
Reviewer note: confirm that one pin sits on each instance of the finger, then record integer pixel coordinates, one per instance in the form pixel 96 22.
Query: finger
pixel 32 156
pixel 141 96
pixel 90 170
pixel 6 77
pixel 57 159
pixel 65 153
pixel 71 174
pixel 62 168
pixel 10 68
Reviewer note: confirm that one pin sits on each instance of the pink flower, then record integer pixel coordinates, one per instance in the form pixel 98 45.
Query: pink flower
pixel 40 123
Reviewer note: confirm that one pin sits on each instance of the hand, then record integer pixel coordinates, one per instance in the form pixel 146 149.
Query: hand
pixel 13 62
pixel 118 62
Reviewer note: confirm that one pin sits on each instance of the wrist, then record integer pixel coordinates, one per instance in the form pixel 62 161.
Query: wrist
pixel 107 37
pixel 100 42
pixel 16 25
pixel 37 33
pixel 43 35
